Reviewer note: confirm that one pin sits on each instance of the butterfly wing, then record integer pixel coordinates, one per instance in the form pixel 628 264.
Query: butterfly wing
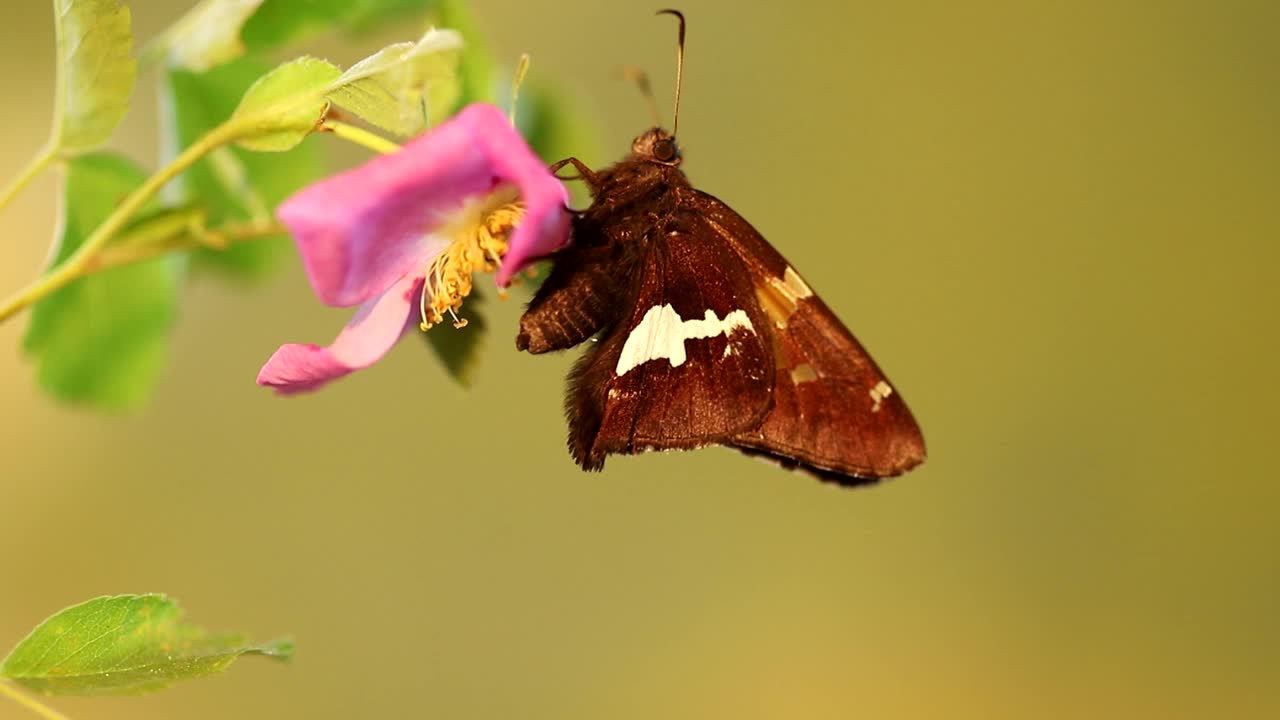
pixel 834 413
pixel 692 363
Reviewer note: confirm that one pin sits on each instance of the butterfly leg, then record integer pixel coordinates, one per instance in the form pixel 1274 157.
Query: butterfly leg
pixel 585 173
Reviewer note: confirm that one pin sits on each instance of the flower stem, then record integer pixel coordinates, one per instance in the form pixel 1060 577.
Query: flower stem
pixel 75 265
pixel 33 168
pixel 360 136
pixel 219 239
pixel 30 703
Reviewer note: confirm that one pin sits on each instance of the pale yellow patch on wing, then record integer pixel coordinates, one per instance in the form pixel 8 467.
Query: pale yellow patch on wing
pixel 795 284
pixel 878 394
pixel 781 296
pixel 803 373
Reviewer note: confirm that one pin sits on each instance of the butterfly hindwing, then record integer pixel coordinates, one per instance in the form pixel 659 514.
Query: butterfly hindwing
pixel 691 365
pixel 834 412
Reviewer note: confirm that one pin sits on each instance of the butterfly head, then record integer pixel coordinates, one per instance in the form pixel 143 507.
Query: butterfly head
pixel 657 146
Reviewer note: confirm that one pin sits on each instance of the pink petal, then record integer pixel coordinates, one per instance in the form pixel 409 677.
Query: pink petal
pixel 360 230
pixel 377 325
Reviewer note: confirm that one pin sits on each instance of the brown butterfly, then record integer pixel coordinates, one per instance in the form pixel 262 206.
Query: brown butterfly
pixel 704 334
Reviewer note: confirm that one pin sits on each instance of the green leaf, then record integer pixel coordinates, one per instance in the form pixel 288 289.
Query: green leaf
pixel 397 88
pixel 282 22
pixel 100 340
pixel 459 348
pixel 476 75
pixel 208 35
pixel 403 87
pixel 285 105
pixel 233 184
pixel 95 72
pixel 126 644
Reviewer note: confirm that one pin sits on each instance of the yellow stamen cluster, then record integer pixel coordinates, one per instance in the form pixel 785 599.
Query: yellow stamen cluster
pixel 479 242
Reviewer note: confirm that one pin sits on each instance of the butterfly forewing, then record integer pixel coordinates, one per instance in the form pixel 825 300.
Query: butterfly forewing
pixel 834 412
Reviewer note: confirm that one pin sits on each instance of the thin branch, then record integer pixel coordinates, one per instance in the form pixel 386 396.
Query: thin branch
pixel 38 163
pixel 75 265
pixel 359 136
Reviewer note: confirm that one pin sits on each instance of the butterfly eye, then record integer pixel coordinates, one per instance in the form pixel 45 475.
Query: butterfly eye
pixel 664 150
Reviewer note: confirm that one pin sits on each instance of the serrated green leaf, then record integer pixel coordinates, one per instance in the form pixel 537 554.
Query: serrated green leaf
pixel 100 340
pixel 403 87
pixel 476 72
pixel 285 105
pixel 233 184
pixel 397 88
pixel 282 22
pixel 125 644
pixel 95 72
pixel 208 35
pixel 459 348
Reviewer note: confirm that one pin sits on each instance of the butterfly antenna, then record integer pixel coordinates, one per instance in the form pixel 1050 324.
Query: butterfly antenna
pixel 675 116
pixel 641 79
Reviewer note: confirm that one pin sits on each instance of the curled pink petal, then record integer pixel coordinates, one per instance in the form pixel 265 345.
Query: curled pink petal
pixel 360 230
pixel 543 229
pixel 376 327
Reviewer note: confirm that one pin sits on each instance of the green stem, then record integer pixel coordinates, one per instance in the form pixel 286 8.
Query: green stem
pixel 29 703
pixel 218 239
pixel 75 265
pixel 87 258
pixel 360 136
pixel 33 168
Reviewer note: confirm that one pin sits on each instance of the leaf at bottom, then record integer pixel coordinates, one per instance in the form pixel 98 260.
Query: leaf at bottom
pixel 126 644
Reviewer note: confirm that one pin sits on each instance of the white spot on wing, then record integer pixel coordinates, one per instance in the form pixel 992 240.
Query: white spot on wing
pixel 878 394
pixel 662 334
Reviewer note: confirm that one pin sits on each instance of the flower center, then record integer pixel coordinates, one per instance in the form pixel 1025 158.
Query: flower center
pixel 479 242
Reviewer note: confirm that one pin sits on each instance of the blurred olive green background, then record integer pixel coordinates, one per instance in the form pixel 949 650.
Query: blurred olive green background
pixel 1054 224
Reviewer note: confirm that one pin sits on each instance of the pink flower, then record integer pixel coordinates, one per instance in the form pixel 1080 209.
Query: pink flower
pixel 400 235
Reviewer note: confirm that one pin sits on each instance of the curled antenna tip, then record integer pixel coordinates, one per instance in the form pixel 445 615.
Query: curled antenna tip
pixel 679 16
pixel 670 11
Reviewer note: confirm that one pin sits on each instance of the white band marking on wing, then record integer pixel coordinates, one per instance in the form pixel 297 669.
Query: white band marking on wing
pixel 661 334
